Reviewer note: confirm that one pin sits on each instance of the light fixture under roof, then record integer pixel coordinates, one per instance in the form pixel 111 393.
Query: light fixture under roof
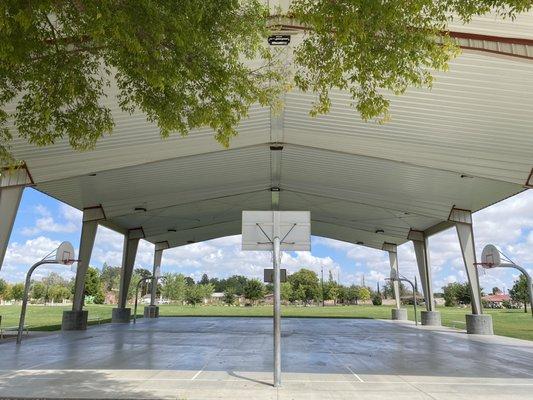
pixel 360 243
pixel 279 40
pixel 190 241
pixel 171 230
pixel 140 209
pixel 380 230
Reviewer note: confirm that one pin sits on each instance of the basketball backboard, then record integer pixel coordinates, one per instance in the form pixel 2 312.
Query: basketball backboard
pixel 65 254
pixel 268 275
pixel 293 229
pixel 490 257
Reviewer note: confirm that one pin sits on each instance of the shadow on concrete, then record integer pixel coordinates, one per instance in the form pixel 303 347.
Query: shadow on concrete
pixel 55 384
pixel 247 378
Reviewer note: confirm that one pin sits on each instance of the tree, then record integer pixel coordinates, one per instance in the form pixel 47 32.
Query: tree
pixel 286 291
pixel 206 290
pixel 519 292
pixel 305 285
pixel 3 288
pixel 39 291
pixel 331 291
pixel 110 277
pixel 54 279
pixel 8 294
pixel 93 285
pixel 254 290
pixel 204 280
pixel 496 290
pixel 17 291
pixel 376 299
pixel 229 296
pixel 194 294
pixel 182 64
pixel 59 292
pixel 362 293
pixel 456 293
pixel 174 286
pixel 237 282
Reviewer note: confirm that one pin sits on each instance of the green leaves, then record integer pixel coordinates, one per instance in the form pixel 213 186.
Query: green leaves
pixel 371 48
pixel 185 64
pixel 194 63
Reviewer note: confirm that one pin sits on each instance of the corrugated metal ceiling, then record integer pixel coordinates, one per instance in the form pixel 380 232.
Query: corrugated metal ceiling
pixel 468 143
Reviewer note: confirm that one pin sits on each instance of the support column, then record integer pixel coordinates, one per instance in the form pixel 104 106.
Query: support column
pixel 12 183
pixel 420 243
pixel 9 205
pixel 131 243
pixel 477 322
pixel 398 313
pixel 76 319
pixel 152 311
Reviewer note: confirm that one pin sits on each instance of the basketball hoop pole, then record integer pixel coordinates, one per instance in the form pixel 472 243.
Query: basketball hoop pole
pixel 491 258
pixel 25 298
pixel 283 230
pixel 277 313
pixel 528 280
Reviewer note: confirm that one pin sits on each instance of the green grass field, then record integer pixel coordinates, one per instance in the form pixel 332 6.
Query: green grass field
pixel 513 323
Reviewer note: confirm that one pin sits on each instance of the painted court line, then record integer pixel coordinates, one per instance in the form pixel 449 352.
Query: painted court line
pixel 354 374
pixel 196 375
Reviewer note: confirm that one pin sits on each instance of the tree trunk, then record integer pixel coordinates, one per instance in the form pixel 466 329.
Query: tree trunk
pixel 525 307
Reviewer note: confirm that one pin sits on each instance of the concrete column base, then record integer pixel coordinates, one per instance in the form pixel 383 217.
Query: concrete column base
pixel 430 318
pixel 122 315
pixel 479 324
pixel 151 312
pixel 399 314
pixel 74 320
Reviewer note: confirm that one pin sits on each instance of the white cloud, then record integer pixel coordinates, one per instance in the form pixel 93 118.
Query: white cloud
pixel 21 256
pixel 47 222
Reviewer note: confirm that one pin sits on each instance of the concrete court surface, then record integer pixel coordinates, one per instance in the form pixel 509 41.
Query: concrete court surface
pixel 231 358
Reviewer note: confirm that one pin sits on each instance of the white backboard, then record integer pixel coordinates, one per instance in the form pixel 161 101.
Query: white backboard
pixel 65 253
pixel 293 229
pixel 490 256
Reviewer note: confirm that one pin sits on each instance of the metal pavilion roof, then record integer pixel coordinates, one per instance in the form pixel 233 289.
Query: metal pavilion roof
pixel 467 143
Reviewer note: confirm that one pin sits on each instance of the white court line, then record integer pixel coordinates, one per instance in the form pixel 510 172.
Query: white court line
pixel 354 374
pixel 196 375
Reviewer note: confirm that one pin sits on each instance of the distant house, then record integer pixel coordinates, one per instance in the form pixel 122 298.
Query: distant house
pixel 496 300
pixel 216 297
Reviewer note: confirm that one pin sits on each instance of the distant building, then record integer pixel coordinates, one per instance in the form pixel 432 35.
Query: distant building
pixel 496 300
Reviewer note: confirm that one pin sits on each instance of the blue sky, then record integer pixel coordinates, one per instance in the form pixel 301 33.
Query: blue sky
pixel 43 222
